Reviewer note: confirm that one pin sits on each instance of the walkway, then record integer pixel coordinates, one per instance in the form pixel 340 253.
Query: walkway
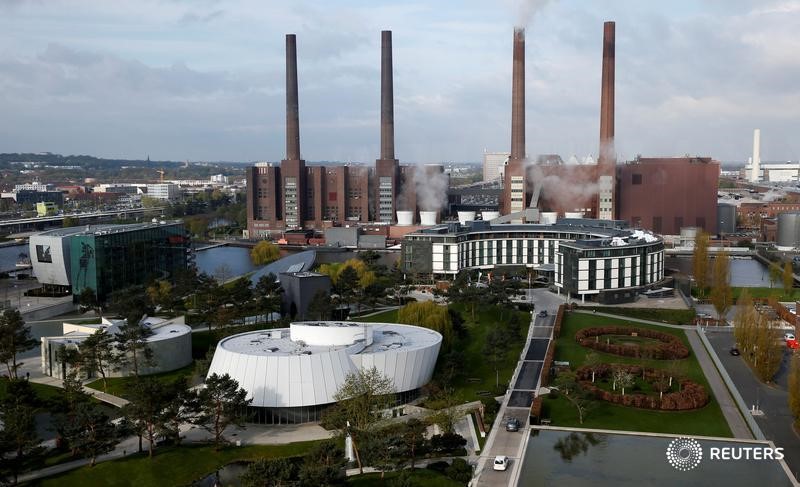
pixel 731 412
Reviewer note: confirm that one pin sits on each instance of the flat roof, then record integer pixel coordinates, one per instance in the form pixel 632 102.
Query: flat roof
pixel 103 229
pixel 276 342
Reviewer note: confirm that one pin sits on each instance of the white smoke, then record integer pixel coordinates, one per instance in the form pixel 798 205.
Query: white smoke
pixel 525 10
pixel 570 188
pixel 431 186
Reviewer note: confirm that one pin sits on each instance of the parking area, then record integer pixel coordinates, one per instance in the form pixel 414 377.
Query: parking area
pixel 776 420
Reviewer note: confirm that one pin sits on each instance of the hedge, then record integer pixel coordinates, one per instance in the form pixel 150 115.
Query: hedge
pixel 670 348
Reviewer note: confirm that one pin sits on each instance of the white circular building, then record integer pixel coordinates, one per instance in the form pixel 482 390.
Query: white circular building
pixel 292 374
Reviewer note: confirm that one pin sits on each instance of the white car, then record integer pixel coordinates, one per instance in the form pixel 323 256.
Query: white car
pixel 500 462
pixel 788 336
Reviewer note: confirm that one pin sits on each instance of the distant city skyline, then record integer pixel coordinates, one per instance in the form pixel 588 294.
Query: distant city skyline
pixel 203 80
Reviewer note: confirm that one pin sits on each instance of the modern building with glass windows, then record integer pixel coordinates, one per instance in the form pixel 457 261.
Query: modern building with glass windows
pixel 105 258
pixel 601 259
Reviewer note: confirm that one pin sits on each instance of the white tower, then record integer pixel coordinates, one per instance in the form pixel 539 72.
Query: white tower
pixel 755 167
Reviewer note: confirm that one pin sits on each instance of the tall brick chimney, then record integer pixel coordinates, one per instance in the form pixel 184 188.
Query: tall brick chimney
pixel 292 104
pixel 606 164
pixel 387 169
pixel 518 98
pixel 293 168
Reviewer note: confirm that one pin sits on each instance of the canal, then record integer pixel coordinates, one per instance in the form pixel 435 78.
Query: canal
pixel 744 272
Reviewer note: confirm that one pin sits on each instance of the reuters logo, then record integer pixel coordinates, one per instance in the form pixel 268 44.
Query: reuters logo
pixel 684 453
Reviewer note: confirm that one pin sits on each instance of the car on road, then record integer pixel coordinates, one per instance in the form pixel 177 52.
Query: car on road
pixel 788 336
pixel 501 462
pixel 735 351
pixel 512 424
pixel 543 313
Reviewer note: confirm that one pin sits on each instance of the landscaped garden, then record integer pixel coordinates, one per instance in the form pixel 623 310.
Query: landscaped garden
pixel 630 350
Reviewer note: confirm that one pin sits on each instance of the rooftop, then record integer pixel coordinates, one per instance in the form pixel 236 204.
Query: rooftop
pixel 103 229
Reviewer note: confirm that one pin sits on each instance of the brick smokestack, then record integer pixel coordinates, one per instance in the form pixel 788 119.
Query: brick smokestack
pixel 387 97
pixel 607 97
pixel 292 104
pixel 518 98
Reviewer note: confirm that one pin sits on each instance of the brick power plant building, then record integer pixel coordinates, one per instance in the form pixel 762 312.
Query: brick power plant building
pixel 658 194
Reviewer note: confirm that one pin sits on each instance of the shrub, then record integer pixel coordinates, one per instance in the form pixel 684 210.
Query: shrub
pixel 670 348
pixel 459 470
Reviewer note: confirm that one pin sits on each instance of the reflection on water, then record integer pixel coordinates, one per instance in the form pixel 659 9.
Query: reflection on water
pixel 574 444
pixel 570 459
pixel 744 272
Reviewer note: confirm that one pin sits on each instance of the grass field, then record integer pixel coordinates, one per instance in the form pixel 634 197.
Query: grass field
pixel 45 393
pixel 705 421
pixel 421 477
pixel 477 375
pixel 117 385
pixel 170 466
pixel 674 316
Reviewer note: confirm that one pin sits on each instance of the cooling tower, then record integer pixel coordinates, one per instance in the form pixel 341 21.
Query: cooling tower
pixel 466 216
pixel 548 217
pixel 405 218
pixel 490 215
pixel 427 218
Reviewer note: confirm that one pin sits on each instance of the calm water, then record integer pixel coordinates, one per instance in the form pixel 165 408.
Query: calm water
pixel 235 260
pixel 744 272
pixel 9 256
pixel 580 459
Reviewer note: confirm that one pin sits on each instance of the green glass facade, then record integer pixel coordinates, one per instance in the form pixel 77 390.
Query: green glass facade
pixel 106 261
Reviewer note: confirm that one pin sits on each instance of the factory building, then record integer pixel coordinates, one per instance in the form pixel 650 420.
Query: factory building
pixel 292 374
pixel 494 165
pixel 622 259
pixel 666 194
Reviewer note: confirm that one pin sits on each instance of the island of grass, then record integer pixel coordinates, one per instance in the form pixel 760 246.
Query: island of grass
pixel 705 421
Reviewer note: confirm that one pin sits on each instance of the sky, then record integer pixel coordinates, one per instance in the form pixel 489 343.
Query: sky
pixel 203 80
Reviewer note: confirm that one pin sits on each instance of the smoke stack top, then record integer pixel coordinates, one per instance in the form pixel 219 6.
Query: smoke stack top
pixel 292 104
pixel 518 98
pixel 387 97
pixel 607 96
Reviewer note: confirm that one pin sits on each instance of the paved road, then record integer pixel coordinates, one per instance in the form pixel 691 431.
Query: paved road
pixel 726 402
pixel 776 422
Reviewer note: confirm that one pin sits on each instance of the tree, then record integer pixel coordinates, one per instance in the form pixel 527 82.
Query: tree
pixel 700 262
pixel 721 293
pixel 788 278
pixel 676 370
pixel 15 338
pixel 360 401
pixel 97 354
pixel 132 349
pixel 269 294
pixel 161 295
pixel 219 404
pixel 320 307
pixel 569 387
pixel 768 350
pixel 623 379
pixel 592 361
pixel 130 303
pixel 413 435
pixel 69 221
pixel 19 443
pixel 87 300
pixel 430 315
pixel 269 472
pixel 744 329
pixel 323 465
pixel 147 400
pixel 222 273
pixel 90 432
pixel 264 252
pixel 794 387
pixel 495 347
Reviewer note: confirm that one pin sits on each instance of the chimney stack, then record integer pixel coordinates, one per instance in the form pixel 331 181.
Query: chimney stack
pixel 292 104
pixel 518 99
pixel 387 97
pixel 755 167
pixel 607 97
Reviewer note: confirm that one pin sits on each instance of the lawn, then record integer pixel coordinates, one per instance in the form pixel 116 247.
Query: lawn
pixel 476 375
pixel 421 477
pixel 766 292
pixel 707 421
pixel 117 385
pixel 674 316
pixel 181 465
pixel 44 392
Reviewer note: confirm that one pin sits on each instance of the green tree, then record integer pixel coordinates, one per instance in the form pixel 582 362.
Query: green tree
pixel 15 338
pixel 700 262
pixel 161 295
pixel 269 295
pixel 794 387
pixel 413 435
pixel 147 400
pixel 97 354
pixel 721 293
pixel 768 350
pixel 69 221
pixel 323 465
pixel 220 404
pixel 745 324
pixel 430 315
pixel 132 351
pixel 130 303
pixel 264 252
pixel 19 443
pixel 90 432
pixel 495 348
pixel 592 361
pixel 788 278
pixel 321 307
pixel 270 472
pixel 360 401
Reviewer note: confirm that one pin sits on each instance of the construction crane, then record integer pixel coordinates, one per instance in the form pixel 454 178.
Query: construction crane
pixel 161 173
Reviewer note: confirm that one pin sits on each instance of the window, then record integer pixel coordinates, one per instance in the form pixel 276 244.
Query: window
pixel 636 178
pixel 657 224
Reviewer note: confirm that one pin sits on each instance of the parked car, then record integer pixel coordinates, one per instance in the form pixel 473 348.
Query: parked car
pixel 788 336
pixel 500 462
pixel 512 424
pixel 543 314
pixel 735 351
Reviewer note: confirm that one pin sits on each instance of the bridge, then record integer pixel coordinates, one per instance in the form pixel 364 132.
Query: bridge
pixel 42 223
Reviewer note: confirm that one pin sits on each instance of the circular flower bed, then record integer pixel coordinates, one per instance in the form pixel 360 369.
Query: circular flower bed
pixel 669 348
pixel 690 396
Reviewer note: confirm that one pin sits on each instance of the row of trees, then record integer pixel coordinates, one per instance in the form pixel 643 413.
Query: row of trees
pixel 759 339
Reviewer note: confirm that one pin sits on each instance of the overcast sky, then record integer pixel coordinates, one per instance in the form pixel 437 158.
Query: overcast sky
pixel 203 79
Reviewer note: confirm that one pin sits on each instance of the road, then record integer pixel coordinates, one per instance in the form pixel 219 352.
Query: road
pixel 776 422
